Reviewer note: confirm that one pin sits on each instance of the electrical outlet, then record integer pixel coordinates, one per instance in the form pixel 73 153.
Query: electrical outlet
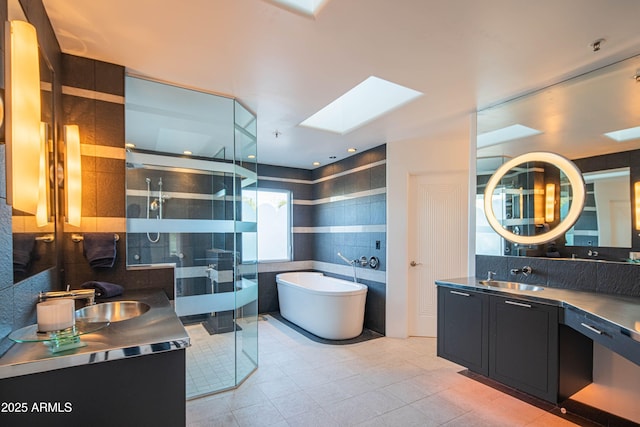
pixel 377 244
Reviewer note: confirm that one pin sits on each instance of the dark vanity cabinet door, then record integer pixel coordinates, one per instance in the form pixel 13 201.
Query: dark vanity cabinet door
pixel 523 350
pixel 463 328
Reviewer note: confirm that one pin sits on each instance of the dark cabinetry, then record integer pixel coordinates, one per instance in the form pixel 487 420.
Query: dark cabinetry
pixel 147 390
pixel 463 328
pixel 524 346
pixel 516 342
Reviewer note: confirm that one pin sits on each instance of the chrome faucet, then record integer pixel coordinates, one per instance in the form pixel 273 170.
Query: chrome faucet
pixel 526 270
pixel 490 275
pixel 86 294
pixel 351 263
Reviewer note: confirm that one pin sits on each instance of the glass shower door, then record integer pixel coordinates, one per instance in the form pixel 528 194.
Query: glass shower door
pixel 247 230
pixel 187 165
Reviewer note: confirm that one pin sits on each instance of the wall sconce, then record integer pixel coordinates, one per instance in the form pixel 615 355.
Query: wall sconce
pixel 22 71
pixel 549 203
pixel 42 212
pixel 73 171
pixel 636 188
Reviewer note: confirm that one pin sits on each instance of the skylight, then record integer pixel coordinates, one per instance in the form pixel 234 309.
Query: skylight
pixel 307 7
pixel 624 134
pixel 365 102
pixel 505 134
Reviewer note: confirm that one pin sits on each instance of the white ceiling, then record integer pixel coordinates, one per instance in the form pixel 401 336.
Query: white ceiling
pixel 462 54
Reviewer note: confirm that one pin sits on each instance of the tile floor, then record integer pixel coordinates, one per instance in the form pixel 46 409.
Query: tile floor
pixel 382 382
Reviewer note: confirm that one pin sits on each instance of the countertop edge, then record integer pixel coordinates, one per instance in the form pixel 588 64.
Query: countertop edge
pixel 163 333
pixel 565 298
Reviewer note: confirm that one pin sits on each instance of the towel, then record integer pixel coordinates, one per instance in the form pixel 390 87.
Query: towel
pixel 104 289
pixel 23 244
pixel 100 249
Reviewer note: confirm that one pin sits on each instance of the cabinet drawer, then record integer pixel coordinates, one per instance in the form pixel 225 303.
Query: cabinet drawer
pixel 604 333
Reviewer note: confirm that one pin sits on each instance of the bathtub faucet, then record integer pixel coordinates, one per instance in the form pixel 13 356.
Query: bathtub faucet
pixel 351 263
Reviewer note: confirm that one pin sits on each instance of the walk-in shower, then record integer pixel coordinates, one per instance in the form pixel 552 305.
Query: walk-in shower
pixel 188 211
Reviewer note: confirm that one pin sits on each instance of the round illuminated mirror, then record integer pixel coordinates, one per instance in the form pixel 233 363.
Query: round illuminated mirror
pixel 534 198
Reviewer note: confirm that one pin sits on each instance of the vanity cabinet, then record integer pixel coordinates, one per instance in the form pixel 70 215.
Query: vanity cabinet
pixel 514 341
pixel 524 346
pixel 463 328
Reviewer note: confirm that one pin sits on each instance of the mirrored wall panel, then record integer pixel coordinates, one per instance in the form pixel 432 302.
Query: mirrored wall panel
pixel 592 120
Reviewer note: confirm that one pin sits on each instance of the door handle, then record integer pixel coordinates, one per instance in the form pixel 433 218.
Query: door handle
pixel 414 264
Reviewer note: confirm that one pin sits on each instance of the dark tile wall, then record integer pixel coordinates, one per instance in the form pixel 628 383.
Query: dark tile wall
pixel 344 178
pixel 583 275
pixel 101 124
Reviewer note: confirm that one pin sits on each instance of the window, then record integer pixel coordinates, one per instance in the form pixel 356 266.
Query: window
pixel 274 225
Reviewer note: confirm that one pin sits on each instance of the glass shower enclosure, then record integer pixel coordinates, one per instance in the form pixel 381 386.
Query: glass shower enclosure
pixel 191 156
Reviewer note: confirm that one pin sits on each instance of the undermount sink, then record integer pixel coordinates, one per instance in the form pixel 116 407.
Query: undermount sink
pixel 115 311
pixel 511 285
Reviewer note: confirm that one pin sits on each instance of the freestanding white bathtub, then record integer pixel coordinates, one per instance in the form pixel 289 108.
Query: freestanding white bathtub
pixel 325 306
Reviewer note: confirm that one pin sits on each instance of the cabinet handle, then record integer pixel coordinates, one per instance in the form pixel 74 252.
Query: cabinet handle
pixel 592 329
pixel 519 304
pixel 464 294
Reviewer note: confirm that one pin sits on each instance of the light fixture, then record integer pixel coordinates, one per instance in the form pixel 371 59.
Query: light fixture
pixel 73 179
pixel 636 188
pixel 365 102
pixel 187 152
pixel 130 145
pixel 42 212
pixel 251 156
pixel 352 150
pixel 549 203
pixel 22 71
pixel 305 7
pixel 316 163
pixel 566 166
pixel 624 134
pixel 504 134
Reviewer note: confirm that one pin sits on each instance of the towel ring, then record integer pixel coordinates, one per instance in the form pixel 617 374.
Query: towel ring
pixel 79 237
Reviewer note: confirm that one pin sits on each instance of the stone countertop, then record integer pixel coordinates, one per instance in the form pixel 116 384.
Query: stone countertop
pixel 622 311
pixel 157 330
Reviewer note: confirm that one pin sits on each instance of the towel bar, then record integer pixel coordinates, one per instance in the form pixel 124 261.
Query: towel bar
pixel 78 237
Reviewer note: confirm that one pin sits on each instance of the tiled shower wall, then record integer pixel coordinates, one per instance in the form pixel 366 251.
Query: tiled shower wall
pixel 340 207
pixel 93 99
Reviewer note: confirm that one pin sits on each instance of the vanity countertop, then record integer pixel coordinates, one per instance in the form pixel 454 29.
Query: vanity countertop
pixel 618 310
pixel 157 330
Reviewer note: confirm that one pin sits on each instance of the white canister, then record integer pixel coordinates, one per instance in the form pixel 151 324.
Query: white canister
pixel 55 315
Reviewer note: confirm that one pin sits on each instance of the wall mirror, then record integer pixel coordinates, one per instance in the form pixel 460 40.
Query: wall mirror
pixel 591 119
pixel 534 198
pixel 34 242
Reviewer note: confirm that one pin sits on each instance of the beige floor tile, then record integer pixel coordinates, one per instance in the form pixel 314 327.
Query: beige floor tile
pixel 382 382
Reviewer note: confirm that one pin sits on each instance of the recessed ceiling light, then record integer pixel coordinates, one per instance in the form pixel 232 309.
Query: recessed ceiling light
pixel 316 163
pixel 352 150
pixel 130 145
pixel 307 7
pixel 505 134
pixel 187 152
pixel 365 102
pixel 624 134
pixel 251 156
